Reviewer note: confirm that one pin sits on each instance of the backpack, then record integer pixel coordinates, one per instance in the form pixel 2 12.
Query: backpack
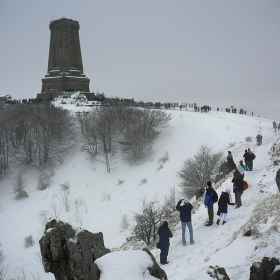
pixel 245 185
pixel 253 156
pixel 214 196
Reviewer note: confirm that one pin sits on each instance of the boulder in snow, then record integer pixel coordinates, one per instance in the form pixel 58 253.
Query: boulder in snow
pixel 70 253
pixel 268 269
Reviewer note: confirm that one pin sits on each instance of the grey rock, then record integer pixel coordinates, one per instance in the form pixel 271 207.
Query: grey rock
pixel 70 253
pixel 155 270
pixel 277 179
pixel 218 273
pixel 265 270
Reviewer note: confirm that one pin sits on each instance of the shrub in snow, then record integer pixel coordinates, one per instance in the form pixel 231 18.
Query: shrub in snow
pixel 248 139
pixel 66 200
pixel 28 241
pixel 65 186
pixel 44 181
pixel 124 224
pixel 144 181
pixel 44 217
pixel 164 158
pixel 19 184
pixel 120 182
pixel 198 170
pixel 55 210
pixel 106 196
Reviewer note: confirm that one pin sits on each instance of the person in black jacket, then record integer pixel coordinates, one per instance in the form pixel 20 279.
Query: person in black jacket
pixel 164 235
pixel 247 158
pixel 237 188
pixel 223 203
pixel 186 219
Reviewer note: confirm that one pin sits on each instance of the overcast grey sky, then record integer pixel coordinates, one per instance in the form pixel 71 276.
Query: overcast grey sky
pixel 219 53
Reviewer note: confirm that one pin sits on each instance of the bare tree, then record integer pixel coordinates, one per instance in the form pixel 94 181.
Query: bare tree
pixel 66 200
pixel 141 129
pixel 147 221
pixel 4 145
pixel 56 133
pixel 55 210
pixel 198 170
pixel 19 184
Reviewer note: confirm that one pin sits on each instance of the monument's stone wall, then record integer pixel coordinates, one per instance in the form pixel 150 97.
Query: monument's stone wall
pixel 65 66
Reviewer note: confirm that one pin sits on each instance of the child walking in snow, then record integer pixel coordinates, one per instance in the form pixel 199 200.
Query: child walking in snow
pixel 223 203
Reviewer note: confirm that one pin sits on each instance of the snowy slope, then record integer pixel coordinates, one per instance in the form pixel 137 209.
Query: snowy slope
pixel 105 201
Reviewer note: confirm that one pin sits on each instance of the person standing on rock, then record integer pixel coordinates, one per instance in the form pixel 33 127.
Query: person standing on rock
pixel 186 219
pixel 164 235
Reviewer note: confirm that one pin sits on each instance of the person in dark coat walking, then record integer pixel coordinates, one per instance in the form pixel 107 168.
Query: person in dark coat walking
pixel 247 158
pixel 186 219
pixel 237 188
pixel 164 235
pixel 231 164
pixel 223 203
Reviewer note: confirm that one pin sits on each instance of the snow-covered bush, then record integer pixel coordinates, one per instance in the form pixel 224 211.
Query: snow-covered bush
pixel 106 195
pixel 44 181
pixel 248 139
pixel 65 186
pixel 28 241
pixel 19 184
pixel 124 224
pixel 143 181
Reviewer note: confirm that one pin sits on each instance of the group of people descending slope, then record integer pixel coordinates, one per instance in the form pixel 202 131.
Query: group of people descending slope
pixel 185 208
pixel 249 157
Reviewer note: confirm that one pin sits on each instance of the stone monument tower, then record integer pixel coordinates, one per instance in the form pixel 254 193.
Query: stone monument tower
pixel 65 66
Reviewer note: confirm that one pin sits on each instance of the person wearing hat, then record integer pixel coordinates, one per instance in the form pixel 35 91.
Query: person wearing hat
pixel 209 203
pixel 164 235
pixel 223 203
pixel 186 219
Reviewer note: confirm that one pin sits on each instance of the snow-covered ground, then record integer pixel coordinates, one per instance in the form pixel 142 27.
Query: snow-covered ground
pixel 104 200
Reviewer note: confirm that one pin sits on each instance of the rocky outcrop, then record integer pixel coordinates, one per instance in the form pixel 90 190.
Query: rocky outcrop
pixel 70 253
pixel 218 273
pixel 277 179
pixel 155 270
pixel 267 269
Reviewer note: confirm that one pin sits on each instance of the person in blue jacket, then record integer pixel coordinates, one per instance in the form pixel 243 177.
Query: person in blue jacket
pixel 164 235
pixel 209 203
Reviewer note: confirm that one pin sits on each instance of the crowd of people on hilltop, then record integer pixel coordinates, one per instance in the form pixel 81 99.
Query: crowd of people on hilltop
pixel 26 101
pixel 131 102
pixel 211 197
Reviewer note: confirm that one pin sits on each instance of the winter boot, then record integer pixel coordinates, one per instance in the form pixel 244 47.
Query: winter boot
pixel 224 222
pixel 218 221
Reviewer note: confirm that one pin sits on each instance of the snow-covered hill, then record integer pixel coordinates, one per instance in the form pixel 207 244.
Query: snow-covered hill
pixel 103 199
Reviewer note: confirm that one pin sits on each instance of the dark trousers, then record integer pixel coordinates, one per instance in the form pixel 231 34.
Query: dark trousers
pixel 164 254
pixel 238 198
pixel 210 214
